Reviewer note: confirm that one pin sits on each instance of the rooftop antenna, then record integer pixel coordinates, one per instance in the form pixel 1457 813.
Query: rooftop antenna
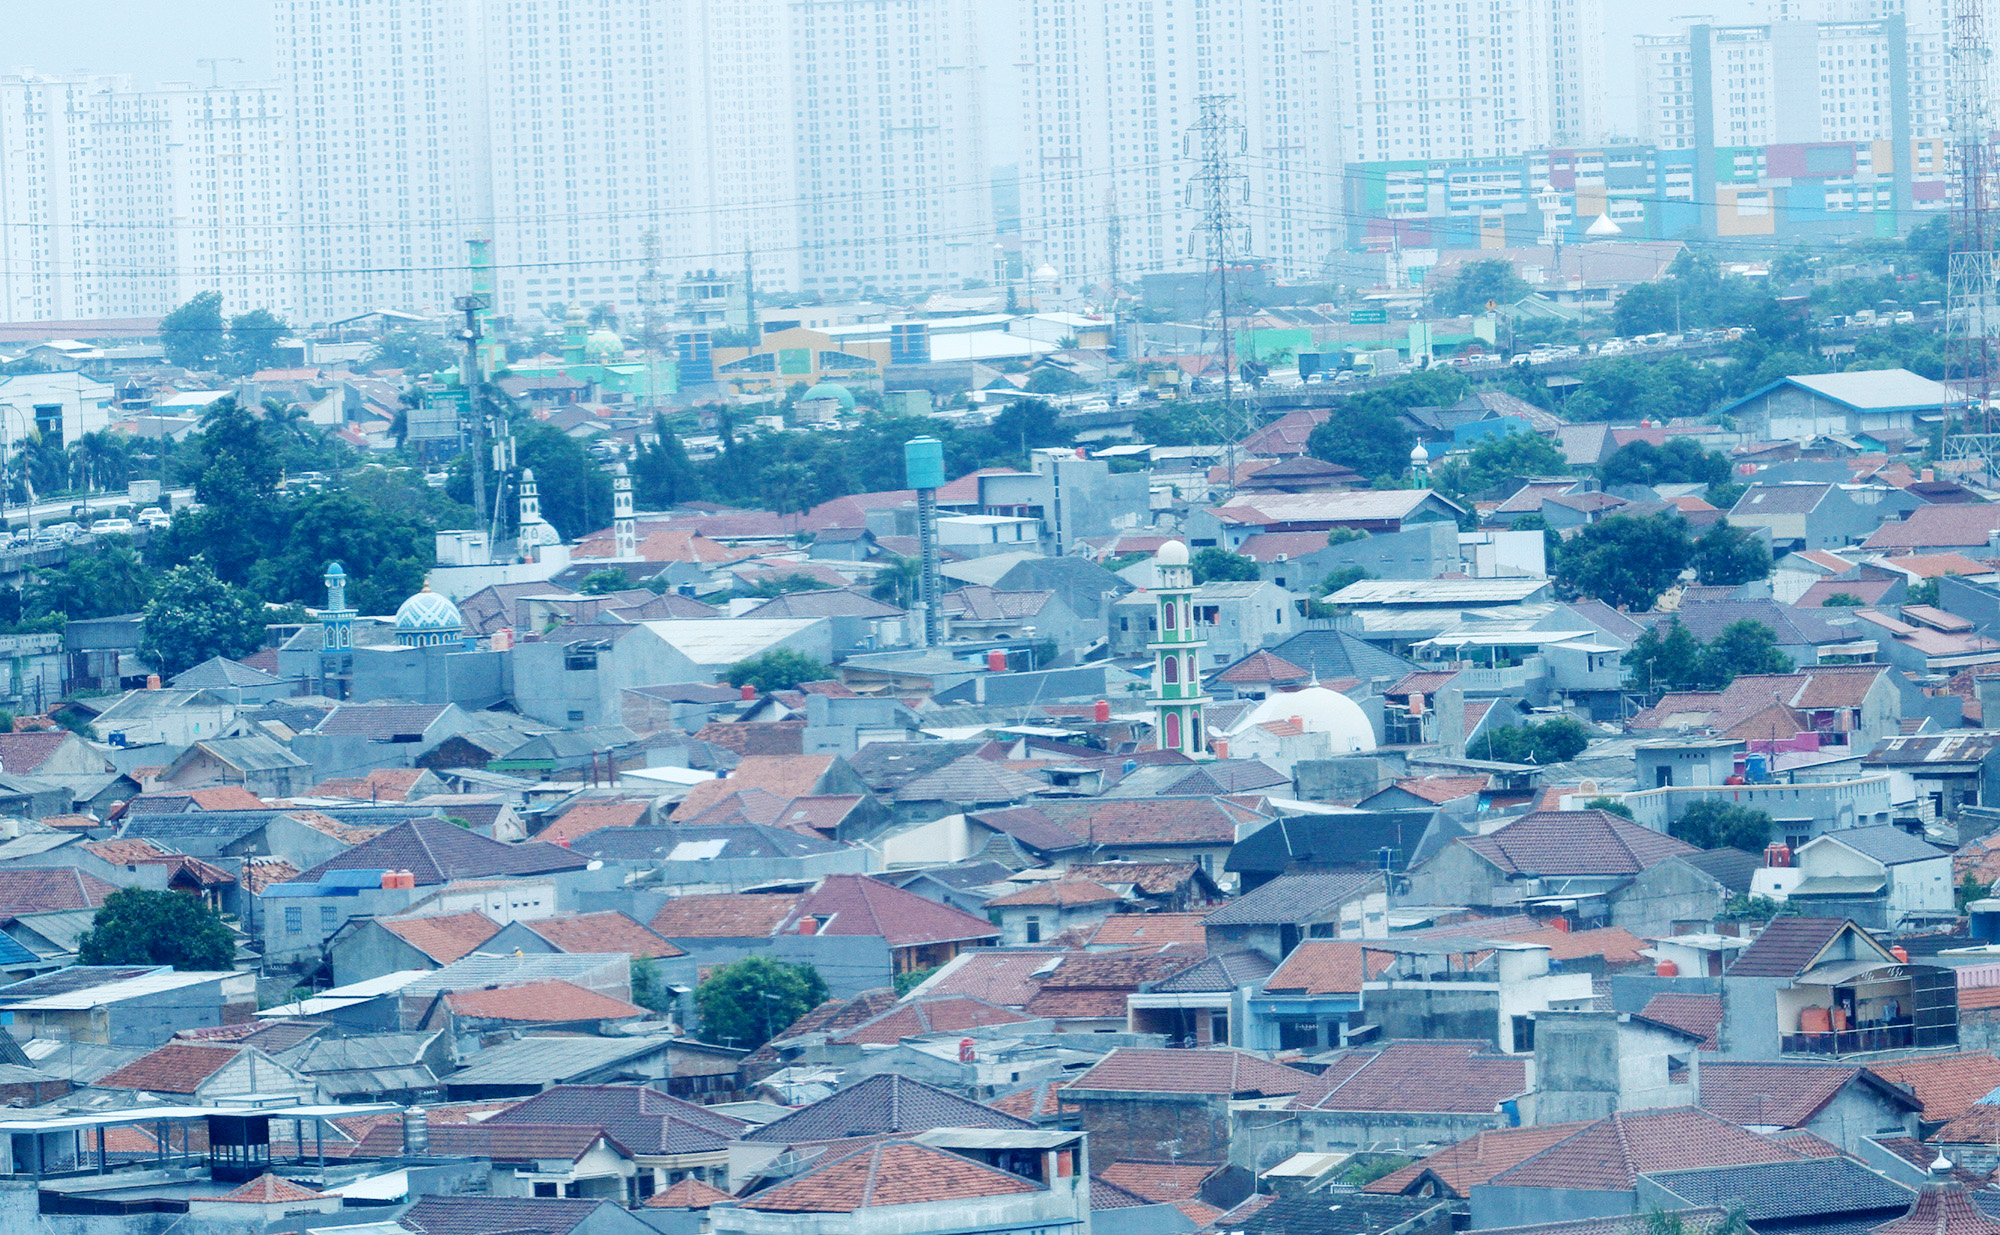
pixel 215 64
pixel 1972 316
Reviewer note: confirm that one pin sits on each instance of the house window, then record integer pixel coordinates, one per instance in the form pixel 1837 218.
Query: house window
pixel 1034 929
pixel 1524 1034
pixel 542 1189
pixel 329 917
pixel 574 716
pixel 295 919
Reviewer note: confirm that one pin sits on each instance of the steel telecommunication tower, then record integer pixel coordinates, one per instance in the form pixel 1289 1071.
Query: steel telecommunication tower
pixel 1972 311
pixel 1218 139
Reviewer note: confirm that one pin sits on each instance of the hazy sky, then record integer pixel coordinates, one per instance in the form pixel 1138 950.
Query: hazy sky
pixel 162 40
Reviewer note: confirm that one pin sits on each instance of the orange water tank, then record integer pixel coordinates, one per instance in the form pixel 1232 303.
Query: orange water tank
pixel 1667 969
pixel 996 660
pixel 1900 953
pixel 1102 711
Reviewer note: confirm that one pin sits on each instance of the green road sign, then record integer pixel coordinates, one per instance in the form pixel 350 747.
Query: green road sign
pixel 1367 317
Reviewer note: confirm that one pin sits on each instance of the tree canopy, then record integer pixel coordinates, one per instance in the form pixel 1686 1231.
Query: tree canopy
pixel 1365 433
pixel 1551 741
pixel 1624 561
pixel 748 1002
pixel 137 926
pixel 194 616
pixel 1710 824
pixel 193 334
pixel 1681 461
pixel 1475 283
pixel 1221 566
pixel 777 669
pixel 1670 657
pixel 1726 555
pixel 1506 456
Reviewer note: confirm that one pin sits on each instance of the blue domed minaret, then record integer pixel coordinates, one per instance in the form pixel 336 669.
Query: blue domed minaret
pixel 336 620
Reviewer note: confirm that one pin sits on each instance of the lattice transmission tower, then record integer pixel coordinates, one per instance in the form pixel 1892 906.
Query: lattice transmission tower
pixel 1217 140
pixel 1972 309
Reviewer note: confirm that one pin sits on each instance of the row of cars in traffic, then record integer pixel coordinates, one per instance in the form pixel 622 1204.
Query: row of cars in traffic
pixel 80 525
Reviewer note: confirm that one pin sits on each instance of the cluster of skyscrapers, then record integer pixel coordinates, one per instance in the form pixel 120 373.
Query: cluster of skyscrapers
pixel 846 147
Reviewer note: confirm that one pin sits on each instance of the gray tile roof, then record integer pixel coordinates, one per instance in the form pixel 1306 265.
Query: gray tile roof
pixel 546 1059
pixel 1294 899
pixel 1887 844
pixel 881 1105
pixel 1809 1188
pixel 971 779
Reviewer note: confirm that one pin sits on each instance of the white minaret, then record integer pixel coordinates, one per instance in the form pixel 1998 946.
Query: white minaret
pixel 534 532
pixel 623 528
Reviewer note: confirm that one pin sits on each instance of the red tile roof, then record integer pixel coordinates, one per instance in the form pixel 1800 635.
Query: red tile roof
pixel 609 931
pixel 46 891
pixel 22 753
pixel 586 817
pixel 1325 967
pixel 1059 893
pixel 1942 1209
pixel 1424 1077
pixel 859 906
pixel 1785 1095
pixel 787 776
pixel 1947 1085
pixel 1788 946
pixel 1700 1014
pixel 893 1173
pixel 1477 1159
pixel 946 1014
pixel 689 1194
pixel 724 915
pixel 1124 930
pixel 1158 1182
pixel 266 1190
pixel 1577 842
pixel 1042 1100
pixel 1610 1155
pixel 1262 667
pixel 1008 978
pixel 548 1003
pixel 444 937
pixel 1217 1070
pixel 1444 788
pixel 177 1068
pixel 1938 527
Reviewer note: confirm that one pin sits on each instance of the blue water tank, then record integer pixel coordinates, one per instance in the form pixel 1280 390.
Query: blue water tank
pixel 1756 769
pixel 923 463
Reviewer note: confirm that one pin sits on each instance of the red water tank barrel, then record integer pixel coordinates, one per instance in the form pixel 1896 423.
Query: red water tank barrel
pixel 1900 954
pixel 747 692
pixel 1101 711
pixel 967 1053
pixel 1778 855
pixel 996 660
pixel 1667 969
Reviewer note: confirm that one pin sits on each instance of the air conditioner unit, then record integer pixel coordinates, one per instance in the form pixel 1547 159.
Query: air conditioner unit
pixel 1284 557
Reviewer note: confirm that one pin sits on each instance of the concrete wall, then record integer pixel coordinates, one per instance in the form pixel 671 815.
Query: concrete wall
pixel 1133 1125
pixel 1668 893
pixel 1589 1064
pixel 1501 1207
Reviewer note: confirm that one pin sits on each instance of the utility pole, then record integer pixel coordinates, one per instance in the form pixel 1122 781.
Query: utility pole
pixel 1972 307
pixel 472 306
pixel 1217 140
pixel 750 301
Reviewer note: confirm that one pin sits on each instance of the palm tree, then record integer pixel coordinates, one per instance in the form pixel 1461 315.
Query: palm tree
pixel 604 317
pixel 899 581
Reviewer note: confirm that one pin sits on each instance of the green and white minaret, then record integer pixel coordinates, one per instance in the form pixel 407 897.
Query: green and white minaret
pixel 1177 701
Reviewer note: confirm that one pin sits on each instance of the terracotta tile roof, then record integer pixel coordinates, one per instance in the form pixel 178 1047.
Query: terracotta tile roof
pixel 380 785
pixel 1042 1100
pixel 1158 1182
pixel 1444 788
pixel 1942 1209
pixel 1947 1085
pixel 639 1117
pixel 1786 1095
pixel 1700 1014
pixel 587 817
pixel 1612 1153
pixel 1201 1213
pixel 787 776
pixel 1325 967
pixel 21 753
pixel 1157 821
pixel 1477 1159
pixel 914 1017
pixel 177 1067
pixel 689 1194
pixel 1123 930
pixel 774 737
pixel 1786 948
pixel 266 1190
pixel 1152 878
pixel 47 891
pixel 858 905
pixel 893 1173
pixel 126 850
pixel 1007 977
pixel 261 873
pixel 724 915
pixel 1095 985
pixel 609 931
pixel 884 1104
pixel 1417 1077
pixel 1215 1070
pixel 1932 565
pixel 1262 667
pixel 1060 893
pixel 1918 1155
pixel 1938 527
pixel 546 1003
pixel 1800 1141
pixel 1618 946
pixel 1579 842
pixel 444 937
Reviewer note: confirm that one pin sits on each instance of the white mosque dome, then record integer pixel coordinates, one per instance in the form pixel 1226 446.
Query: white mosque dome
pixel 1173 553
pixel 1418 454
pixel 428 611
pixel 1316 710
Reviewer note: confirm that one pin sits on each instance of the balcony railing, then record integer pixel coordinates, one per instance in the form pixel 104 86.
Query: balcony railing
pixel 1889 1036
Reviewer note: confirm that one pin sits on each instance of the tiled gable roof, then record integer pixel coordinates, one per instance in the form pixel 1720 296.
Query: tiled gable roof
pixel 689 1193
pixel 1060 893
pixel 946 1014
pixel 859 905
pixel 1325 967
pixel 881 1105
pixel 1295 898
pixel 1780 1192
pixel 495 1215
pixel 266 1190
pixel 1942 1209
pixel 1215 1070
pixel 787 776
pixel 1158 1182
pixel 1008 978
pixel 724 915
pixel 1124 930
pixel 176 1068
pixel 22 753
pixel 1947 1085
pixel 444 937
pixel 1953 526
pixel 1786 1095
pixel 1581 842
pixel 553 1002
pixel 609 931
pixel 1698 1014
pixel 48 891
pixel 1417 1077
pixel 1477 1159
pixel 1262 667
pixel 641 1118
pixel 437 851
pixel 1610 1155
pixel 587 817
pixel 1786 947
pixel 894 1173
pixel 968 780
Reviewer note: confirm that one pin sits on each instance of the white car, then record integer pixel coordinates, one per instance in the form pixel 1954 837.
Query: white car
pixel 112 527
